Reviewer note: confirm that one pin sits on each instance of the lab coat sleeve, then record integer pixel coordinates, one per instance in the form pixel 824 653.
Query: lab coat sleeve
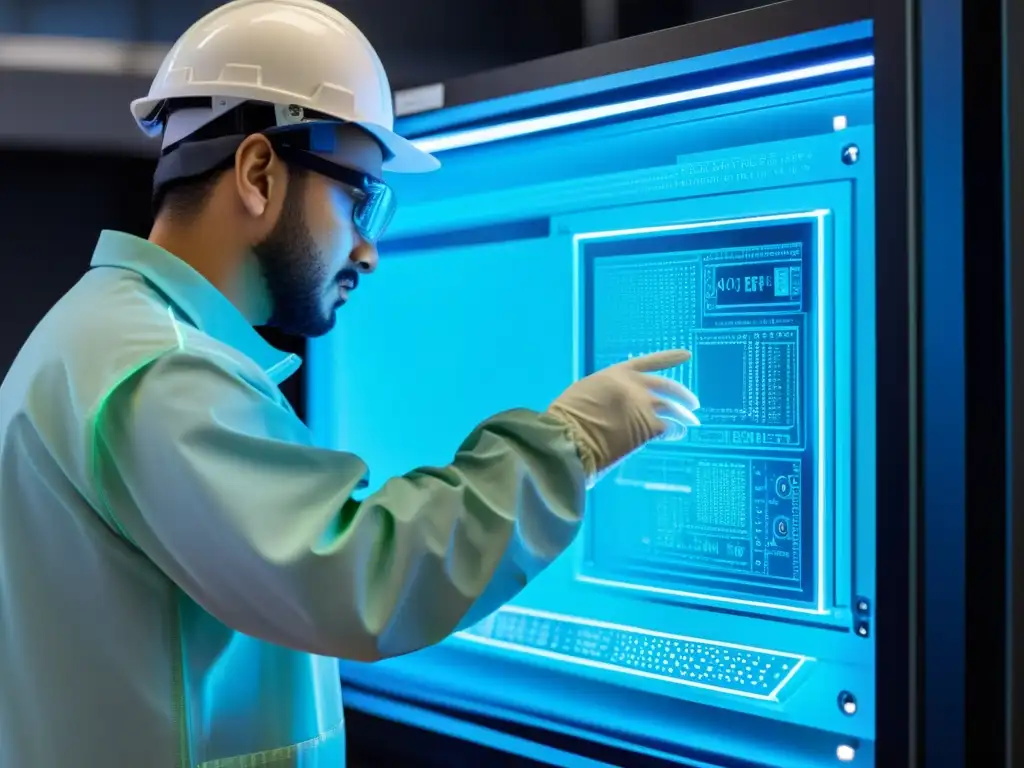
pixel 222 488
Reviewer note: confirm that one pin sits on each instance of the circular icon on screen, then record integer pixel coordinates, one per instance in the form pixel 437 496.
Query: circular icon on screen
pixel 851 154
pixel 783 488
pixel 782 528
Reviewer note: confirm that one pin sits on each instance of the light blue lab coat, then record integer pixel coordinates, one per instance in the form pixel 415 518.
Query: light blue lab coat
pixel 179 564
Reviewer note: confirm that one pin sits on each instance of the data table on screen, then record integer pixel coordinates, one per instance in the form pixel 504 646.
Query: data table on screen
pixel 731 508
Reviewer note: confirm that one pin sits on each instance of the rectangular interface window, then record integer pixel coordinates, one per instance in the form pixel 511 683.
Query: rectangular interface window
pixel 734 512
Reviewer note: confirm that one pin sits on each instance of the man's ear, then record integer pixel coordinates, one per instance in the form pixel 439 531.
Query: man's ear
pixel 259 176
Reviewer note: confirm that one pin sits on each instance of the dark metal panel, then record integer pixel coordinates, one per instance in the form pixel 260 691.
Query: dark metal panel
pixel 638 17
pixel 86 112
pixel 782 19
pixel 600 21
pixel 1013 90
pixel 959 229
pixel 985 377
pixel 897 472
pixel 940 102
pixel 498 33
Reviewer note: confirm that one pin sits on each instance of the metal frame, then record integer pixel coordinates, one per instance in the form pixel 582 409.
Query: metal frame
pixel 1013 93
pixel 984 374
pixel 938 114
pixel 962 229
pixel 898 730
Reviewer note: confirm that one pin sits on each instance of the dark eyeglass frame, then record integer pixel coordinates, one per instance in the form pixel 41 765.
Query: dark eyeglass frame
pixel 374 200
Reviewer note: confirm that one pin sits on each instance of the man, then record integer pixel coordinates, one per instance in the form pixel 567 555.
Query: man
pixel 179 564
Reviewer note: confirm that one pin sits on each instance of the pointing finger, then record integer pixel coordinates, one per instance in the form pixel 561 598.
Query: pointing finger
pixel 658 361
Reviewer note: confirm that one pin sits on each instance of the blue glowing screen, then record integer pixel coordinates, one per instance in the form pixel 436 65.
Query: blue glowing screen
pixel 731 509
pixel 719 598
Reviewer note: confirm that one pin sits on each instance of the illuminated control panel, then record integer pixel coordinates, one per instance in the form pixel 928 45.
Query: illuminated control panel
pixel 720 594
pixel 735 511
pixel 722 667
pixel 704 514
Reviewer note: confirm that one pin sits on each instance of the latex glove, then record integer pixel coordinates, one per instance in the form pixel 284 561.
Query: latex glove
pixel 616 411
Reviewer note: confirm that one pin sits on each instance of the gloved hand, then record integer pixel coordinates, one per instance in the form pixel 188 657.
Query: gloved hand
pixel 616 411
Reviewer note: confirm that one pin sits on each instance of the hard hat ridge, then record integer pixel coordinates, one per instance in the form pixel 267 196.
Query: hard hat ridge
pixel 302 56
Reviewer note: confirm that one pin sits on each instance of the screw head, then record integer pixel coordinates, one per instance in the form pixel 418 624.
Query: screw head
pixel 851 154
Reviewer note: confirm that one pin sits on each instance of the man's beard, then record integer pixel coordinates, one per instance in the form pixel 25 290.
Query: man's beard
pixel 294 273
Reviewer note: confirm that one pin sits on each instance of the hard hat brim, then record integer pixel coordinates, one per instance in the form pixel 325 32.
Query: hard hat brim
pixel 405 157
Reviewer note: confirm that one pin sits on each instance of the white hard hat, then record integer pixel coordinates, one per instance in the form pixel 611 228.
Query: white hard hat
pixel 302 56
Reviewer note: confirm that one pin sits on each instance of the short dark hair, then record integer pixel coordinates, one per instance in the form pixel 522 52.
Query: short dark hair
pixel 184 198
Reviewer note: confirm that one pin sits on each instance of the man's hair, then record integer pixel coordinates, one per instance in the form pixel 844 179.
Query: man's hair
pixel 184 199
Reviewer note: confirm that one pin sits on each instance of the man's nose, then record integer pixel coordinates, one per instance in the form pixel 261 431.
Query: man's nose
pixel 365 258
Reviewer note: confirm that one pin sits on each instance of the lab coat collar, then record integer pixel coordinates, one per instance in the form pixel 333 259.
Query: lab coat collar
pixel 195 297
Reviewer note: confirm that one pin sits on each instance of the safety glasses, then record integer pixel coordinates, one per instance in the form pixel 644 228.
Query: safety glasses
pixel 375 201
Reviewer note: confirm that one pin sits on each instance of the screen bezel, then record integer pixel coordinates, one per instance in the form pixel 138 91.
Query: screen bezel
pixel 1013 67
pixel 484 97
